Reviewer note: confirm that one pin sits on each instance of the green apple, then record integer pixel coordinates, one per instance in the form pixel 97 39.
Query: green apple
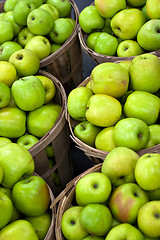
pixel 40 224
pixel 126 64
pixel 70 224
pixel 25 166
pixel 153 194
pixel 86 132
pixel 7 48
pixel 148 219
pixel 41 120
pixel 104 139
pixel 64 7
pixel 148 35
pixel 40 45
pixel 16 27
pixel 107 27
pixel 12 102
pixel 119 166
pixel 6 31
pixel 72 21
pixel 13 122
pixel 132 133
pixel 29 93
pixel 153 8
pixel 91 39
pixel 125 231
pixel 55 47
pixel 24 36
pixel 108 8
pixel 106 44
pixel 4 140
pixel 147 171
pixel 144 73
pixel 96 219
pixel 49 86
pixel 94 187
pixel 77 102
pixel 31 196
pixel 109 78
pixel 90 19
pixel 126 23
pixel 136 3
pixel 128 48
pixel 25 61
pixel 5 95
pixel 37 3
pixel 61 31
pixel 9 5
pixel 20 229
pixel 8 73
pixel 140 104
pixel 2 15
pixel 21 12
pixel 103 110
pixel 154 138
pixel 40 22
pixel 6 208
pixel 51 9
pixel 144 10
pixel 125 202
pixel 27 141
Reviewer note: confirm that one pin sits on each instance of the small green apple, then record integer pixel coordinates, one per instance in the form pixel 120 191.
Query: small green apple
pixel 16 27
pixel 153 194
pixel 6 208
pixel 27 141
pixel 8 73
pixel 107 27
pixel 126 64
pixel 144 10
pixel 153 9
pixel 37 3
pixel 9 5
pixel 24 36
pixel 136 3
pixel 5 95
pixel 64 7
pixel 6 31
pixel 154 138
pixel 4 140
pixel 51 9
pixel 55 47
pixel 7 48
pixel 91 39
pixel 129 48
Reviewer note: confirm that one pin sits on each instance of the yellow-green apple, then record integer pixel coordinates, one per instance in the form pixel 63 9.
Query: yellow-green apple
pixel 70 224
pixel 90 19
pixel 55 47
pixel 144 10
pixel 13 122
pixel 126 231
pixel 119 166
pixel 103 110
pixel 64 7
pixel 2 14
pixel 4 140
pixel 153 194
pixel 140 104
pixel 94 187
pixel 40 224
pixel 101 219
pixel 20 229
pixel 42 119
pixel 8 73
pixel 126 23
pixel 31 196
pixel 148 219
pixel 91 39
pixel 40 45
pixel 104 139
pixel 27 141
pixel 5 95
pixel 16 27
pixel 6 30
pixel 9 153
pixel 86 132
pixel 24 36
pixel 7 48
pixel 21 12
pixel 9 5
pixel 132 133
pixel 40 21
pixel 145 78
pixel 126 64
pixel 61 30
pixel 147 171
pixel 51 9
pixel 6 208
pixel 106 44
pixel 125 202
pixel 154 138
pixel 148 35
pixel 25 61
pixel 77 102
pixel 128 48
pixel 108 8
pixel 29 93
pixel 109 78
pixel 153 8
pixel 136 3
pixel 49 86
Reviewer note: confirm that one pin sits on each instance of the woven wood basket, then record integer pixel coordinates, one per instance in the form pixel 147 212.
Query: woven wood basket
pixel 95 155
pixel 100 58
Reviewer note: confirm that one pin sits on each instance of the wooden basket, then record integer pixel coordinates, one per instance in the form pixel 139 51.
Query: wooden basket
pixel 95 155
pixel 100 58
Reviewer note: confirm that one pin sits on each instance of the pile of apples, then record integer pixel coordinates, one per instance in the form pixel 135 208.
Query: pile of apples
pixel 120 201
pixel 24 196
pixel 122 28
pixel 41 26
pixel 119 105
